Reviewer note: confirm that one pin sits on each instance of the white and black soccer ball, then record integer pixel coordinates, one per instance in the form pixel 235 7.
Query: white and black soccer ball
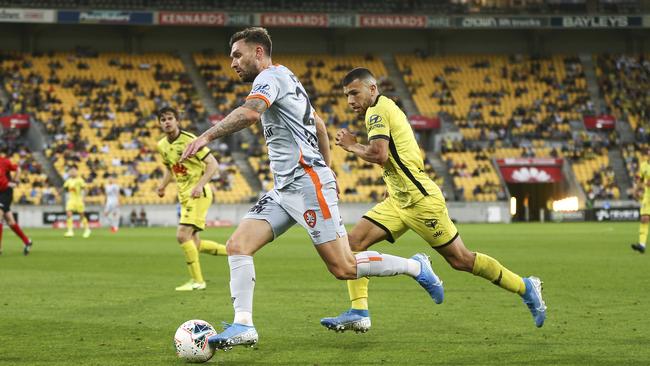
pixel 191 341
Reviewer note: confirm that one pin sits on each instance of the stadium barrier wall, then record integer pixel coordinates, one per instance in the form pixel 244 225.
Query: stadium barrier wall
pixel 166 215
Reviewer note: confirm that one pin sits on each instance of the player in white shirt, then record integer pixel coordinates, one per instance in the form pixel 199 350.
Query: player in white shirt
pixel 305 187
pixel 112 207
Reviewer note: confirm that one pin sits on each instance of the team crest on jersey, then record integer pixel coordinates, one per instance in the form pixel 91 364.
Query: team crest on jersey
pixel 310 218
pixel 431 223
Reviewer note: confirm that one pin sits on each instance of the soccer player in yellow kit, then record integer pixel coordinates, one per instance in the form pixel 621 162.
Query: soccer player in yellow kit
pixel 195 198
pixel 642 181
pixel 75 186
pixel 414 202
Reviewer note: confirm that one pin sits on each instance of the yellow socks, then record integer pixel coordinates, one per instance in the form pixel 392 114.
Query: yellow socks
pixel 643 233
pixel 84 222
pixel 358 290
pixel 192 259
pixel 211 247
pixel 490 269
pixel 69 223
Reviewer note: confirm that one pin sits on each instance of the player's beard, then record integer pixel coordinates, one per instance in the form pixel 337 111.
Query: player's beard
pixel 248 76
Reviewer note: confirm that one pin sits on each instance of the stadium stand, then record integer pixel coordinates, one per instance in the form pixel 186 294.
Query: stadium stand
pixel 93 105
pixel 513 104
pixel 334 6
pixel 623 81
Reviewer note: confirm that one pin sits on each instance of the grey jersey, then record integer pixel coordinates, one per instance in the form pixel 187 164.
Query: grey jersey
pixel 112 193
pixel 289 127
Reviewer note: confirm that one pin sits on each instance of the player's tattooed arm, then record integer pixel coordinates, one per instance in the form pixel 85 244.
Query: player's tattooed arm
pixel 244 116
pixel 323 139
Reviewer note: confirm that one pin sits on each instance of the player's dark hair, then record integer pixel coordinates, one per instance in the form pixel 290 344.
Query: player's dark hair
pixel 162 111
pixel 73 166
pixel 4 149
pixel 360 73
pixel 257 35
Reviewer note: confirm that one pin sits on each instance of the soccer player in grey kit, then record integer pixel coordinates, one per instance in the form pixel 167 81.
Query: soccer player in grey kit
pixel 304 191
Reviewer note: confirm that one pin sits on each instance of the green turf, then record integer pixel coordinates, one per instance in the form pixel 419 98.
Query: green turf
pixel 109 300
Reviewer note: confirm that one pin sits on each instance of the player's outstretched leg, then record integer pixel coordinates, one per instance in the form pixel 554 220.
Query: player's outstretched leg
pixel 533 299
pixel 479 264
pixel 358 320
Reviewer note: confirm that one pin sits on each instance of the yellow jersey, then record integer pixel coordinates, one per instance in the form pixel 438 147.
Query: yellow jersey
pixel 644 178
pixel 404 170
pixel 74 187
pixel 189 172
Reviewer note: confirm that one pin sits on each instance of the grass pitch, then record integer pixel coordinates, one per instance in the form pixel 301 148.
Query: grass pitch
pixel 110 300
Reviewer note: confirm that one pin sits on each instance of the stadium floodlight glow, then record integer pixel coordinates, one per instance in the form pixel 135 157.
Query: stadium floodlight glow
pixel 566 204
pixel 513 206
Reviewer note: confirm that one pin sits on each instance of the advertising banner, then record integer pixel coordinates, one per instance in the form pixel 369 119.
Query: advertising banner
pixel 501 22
pixel 602 21
pixel 20 121
pixel 192 18
pixel 319 20
pixel 58 219
pixel 342 20
pixel 105 17
pixel 617 214
pixel 240 19
pixel 604 122
pixel 11 15
pixel 531 170
pixel 392 21
pixel 422 123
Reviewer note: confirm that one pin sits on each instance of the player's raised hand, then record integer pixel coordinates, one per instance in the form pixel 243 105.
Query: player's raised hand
pixel 345 138
pixel 160 191
pixel 197 191
pixel 194 147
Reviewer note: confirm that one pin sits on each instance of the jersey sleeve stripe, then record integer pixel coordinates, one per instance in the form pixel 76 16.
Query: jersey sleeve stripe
pixel 319 188
pixel 407 172
pixel 258 96
pixel 379 137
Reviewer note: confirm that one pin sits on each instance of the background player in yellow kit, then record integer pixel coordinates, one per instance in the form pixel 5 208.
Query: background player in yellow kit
pixel 75 186
pixel 414 202
pixel 195 198
pixel 642 183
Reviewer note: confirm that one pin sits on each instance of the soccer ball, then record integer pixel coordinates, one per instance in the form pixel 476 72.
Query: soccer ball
pixel 191 341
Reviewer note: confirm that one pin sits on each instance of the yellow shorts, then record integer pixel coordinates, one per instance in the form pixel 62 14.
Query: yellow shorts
pixel 194 210
pixel 75 206
pixel 428 218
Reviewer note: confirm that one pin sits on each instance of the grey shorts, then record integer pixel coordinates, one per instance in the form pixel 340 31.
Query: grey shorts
pixel 302 203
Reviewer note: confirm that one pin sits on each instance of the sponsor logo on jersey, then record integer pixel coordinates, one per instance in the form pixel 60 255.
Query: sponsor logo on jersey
pixel 375 121
pixel 263 89
pixel 310 218
pixel 437 234
pixel 179 169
